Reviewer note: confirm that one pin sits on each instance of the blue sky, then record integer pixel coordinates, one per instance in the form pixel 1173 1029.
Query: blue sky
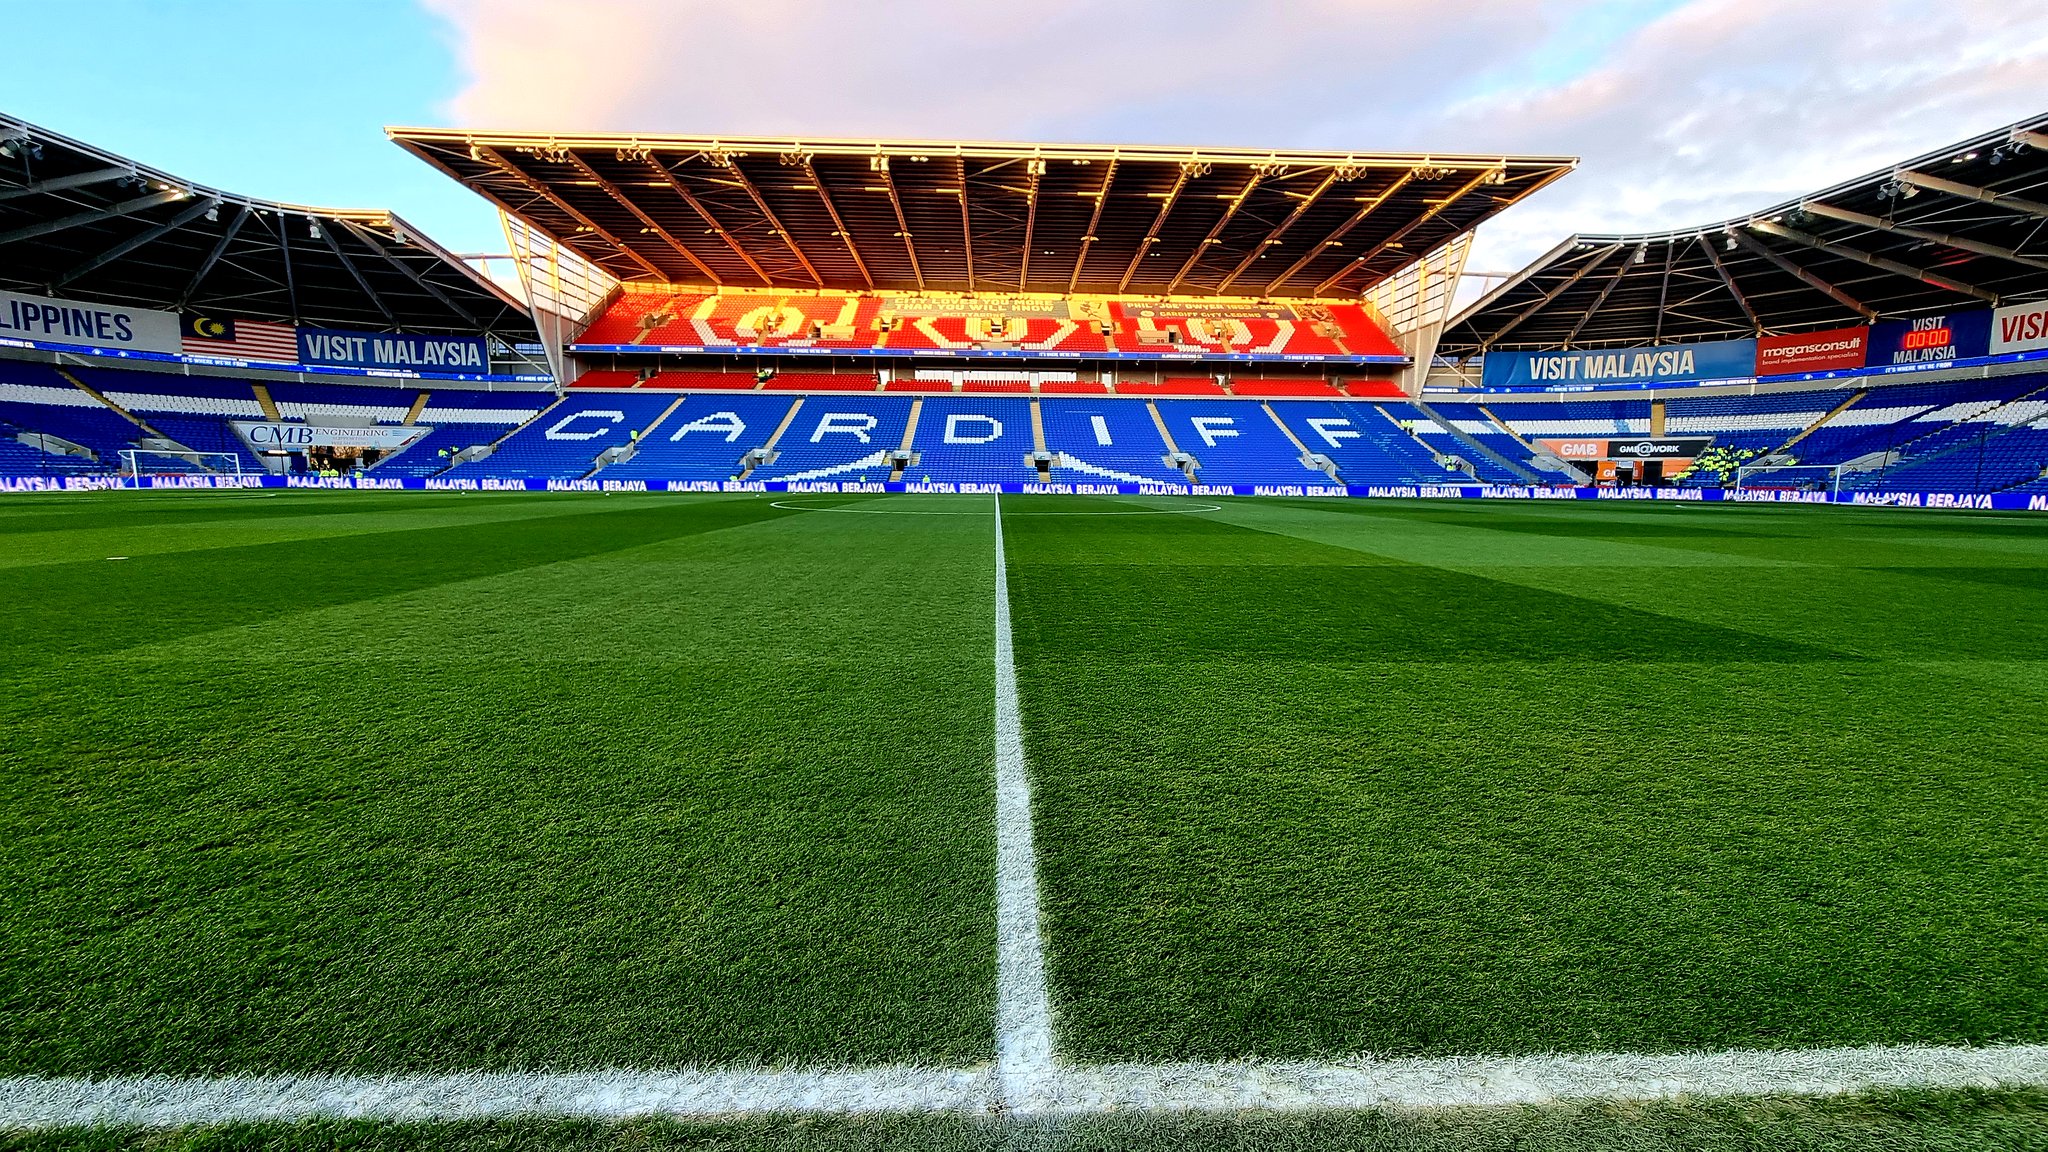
pixel 1685 111
pixel 282 100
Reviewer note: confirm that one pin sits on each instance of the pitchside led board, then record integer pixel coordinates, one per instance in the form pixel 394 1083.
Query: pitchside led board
pixel 1594 367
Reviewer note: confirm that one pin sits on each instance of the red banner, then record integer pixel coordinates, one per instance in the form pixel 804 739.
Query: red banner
pixel 1829 351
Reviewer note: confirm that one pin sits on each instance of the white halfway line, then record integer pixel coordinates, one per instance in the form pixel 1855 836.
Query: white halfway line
pixel 1024 1061
pixel 1027 1079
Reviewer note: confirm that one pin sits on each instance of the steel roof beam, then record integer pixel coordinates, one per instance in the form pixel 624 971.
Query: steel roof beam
pixel 1971 192
pixel 1597 258
pixel 880 164
pixel 1664 289
pixel 1180 182
pixel 966 221
pixel 1259 173
pixel 1401 233
pixel 1036 170
pixel 412 274
pixel 732 165
pixel 1094 219
pixel 832 210
pixel 1606 290
pixel 704 213
pixel 1959 243
pixel 1756 322
pixel 1805 277
pixel 627 203
pixel 356 273
pixel 291 279
pixel 60 183
pixel 544 192
pixel 220 247
pixel 125 208
pixel 1279 230
pixel 1924 275
pixel 1365 209
pixel 138 240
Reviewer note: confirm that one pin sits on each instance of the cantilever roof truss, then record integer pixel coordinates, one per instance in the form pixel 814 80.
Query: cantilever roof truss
pixel 79 222
pixel 1961 227
pixel 906 215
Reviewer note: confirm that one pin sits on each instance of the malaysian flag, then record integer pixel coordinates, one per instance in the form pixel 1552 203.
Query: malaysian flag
pixel 240 339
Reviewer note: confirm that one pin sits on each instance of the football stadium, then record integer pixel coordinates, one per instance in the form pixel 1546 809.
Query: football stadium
pixel 858 643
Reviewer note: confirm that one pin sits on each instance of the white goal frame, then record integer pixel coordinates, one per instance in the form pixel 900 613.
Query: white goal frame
pixel 200 463
pixel 1831 475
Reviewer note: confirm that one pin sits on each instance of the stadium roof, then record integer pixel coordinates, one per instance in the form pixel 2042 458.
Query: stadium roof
pixel 910 215
pixel 82 223
pixel 1965 226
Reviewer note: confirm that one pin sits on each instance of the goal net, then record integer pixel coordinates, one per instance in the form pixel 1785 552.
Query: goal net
pixel 1790 477
pixel 179 462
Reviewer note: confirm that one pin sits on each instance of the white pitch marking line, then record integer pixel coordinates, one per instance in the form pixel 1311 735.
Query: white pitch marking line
pixel 1497 1081
pixel 169 1101
pixel 34 1102
pixel 1024 1059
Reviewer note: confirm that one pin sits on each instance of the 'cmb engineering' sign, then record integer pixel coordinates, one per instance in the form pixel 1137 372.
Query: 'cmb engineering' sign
pixel 265 436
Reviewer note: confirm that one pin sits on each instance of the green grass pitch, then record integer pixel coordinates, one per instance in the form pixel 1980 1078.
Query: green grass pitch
pixel 1425 779
pixel 366 782
pixel 371 784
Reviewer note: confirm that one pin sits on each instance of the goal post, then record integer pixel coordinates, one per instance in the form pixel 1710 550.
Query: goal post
pixel 179 462
pixel 1791 477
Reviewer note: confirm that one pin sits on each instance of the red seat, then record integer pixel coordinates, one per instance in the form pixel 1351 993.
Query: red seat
pixel 606 380
pixel 821 382
pixel 1320 389
pixel 722 381
pixel 1374 389
pixel 1171 386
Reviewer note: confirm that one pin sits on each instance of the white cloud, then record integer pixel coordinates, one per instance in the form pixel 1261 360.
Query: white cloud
pixel 1161 70
pixel 1729 106
pixel 1712 108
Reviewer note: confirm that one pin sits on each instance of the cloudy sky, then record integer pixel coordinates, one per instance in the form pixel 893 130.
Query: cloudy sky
pixel 1685 111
